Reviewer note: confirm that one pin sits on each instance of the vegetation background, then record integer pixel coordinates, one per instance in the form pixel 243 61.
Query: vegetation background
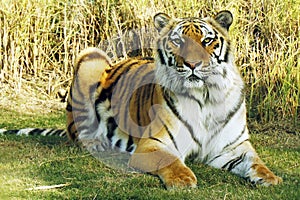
pixel 39 42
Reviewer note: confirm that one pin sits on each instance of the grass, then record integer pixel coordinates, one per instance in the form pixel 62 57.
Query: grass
pixel 29 162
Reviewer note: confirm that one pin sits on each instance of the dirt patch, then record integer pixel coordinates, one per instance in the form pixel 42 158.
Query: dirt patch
pixel 28 101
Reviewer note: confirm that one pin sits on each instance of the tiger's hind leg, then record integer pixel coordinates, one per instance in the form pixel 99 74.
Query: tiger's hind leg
pixel 244 161
pixel 82 118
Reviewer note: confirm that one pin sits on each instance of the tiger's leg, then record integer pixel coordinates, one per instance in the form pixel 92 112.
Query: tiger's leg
pixel 244 161
pixel 89 68
pixel 156 158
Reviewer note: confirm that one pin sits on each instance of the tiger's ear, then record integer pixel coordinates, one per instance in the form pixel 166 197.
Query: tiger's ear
pixel 224 18
pixel 161 20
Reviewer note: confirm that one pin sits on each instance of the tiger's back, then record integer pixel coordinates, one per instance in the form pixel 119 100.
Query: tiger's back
pixel 111 102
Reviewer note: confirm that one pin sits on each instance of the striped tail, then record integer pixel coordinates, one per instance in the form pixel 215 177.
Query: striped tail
pixel 35 132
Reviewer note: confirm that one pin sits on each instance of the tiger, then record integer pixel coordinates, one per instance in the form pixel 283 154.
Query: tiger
pixel 187 102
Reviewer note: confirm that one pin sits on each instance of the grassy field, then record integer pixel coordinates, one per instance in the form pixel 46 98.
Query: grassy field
pixel 28 163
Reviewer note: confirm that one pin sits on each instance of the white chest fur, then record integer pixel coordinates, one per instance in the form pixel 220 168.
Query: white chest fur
pixel 213 125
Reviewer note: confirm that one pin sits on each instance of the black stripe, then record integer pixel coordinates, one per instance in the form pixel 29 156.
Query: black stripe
pixel 13 132
pixel 70 126
pixel 80 118
pixel 107 93
pixel 50 131
pixel 129 149
pixel 197 100
pixel 131 82
pixel 76 81
pixel 134 78
pixel 170 61
pixel 126 115
pixel 82 127
pixel 90 128
pixel 237 138
pixel 156 139
pixel 111 127
pixel 97 113
pixel 118 143
pixel 126 65
pixel 77 109
pixel 235 109
pixel 222 46
pixel 169 133
pixel 152 100
pixel 149 131
pixel 228 118
pixel 170 103
pixel 57 132
pixel 223 149
pixel 70 134
pixel 63 134
pixel 129 146
pixel 92 90
pixel 214 158
pixel 161 57
pixel 69 107
pixel 227 52
pixel 234 162
pixel 73 99
pixel 122 84
pixel 87 57
pixel 36 131
pixel 139 95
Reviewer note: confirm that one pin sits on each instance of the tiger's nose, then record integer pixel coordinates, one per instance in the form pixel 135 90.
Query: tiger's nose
pixel 193 65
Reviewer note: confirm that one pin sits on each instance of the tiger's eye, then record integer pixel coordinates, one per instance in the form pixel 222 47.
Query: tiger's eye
pixel 177 41
pixel 207 40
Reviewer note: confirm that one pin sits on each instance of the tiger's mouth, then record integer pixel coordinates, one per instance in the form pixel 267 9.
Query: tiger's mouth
pixel 194 81
pixel 194 78
pixel 199 76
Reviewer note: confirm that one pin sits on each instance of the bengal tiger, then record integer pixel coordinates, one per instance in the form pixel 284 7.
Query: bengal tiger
pixel 189 101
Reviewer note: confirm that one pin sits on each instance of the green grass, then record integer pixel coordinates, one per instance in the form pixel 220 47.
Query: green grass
pixel 28 162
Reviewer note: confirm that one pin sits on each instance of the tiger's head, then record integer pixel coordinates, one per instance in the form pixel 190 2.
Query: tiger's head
pixel 193 52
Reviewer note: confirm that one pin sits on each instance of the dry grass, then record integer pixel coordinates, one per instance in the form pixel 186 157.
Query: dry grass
pixel 40 39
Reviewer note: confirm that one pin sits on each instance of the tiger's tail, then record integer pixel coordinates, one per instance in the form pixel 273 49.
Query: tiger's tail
pixel 35 132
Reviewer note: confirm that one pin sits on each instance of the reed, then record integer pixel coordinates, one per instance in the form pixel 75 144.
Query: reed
pixel 40 40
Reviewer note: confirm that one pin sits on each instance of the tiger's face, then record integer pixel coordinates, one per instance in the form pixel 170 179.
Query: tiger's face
pixel 192 52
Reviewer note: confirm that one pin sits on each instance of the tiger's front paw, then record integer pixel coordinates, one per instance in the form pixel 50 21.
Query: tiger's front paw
pixel 178 177
pixel 262 175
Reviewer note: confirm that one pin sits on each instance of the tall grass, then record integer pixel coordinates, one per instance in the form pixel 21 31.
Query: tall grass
pixel 40 39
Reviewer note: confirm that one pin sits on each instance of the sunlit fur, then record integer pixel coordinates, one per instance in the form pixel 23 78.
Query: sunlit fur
pixel 188 102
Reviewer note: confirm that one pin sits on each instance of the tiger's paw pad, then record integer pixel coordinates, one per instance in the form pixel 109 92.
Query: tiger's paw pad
pixel 182 179
pixel 267 181
pixel 263 176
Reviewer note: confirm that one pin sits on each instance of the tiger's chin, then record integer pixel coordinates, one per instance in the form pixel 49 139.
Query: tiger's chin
pixel 193 84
